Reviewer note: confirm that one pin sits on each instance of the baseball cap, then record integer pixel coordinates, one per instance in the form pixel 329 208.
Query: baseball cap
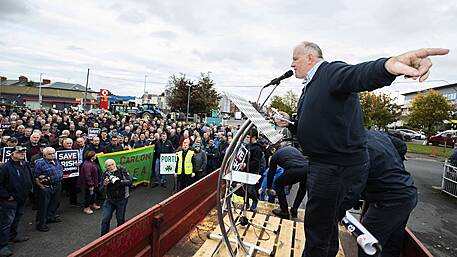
pixel 20 148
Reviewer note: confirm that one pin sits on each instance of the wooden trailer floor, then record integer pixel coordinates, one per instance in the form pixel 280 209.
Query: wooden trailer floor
pixel 288 240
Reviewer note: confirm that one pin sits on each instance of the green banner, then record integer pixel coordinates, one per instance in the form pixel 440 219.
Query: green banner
pixel 138 162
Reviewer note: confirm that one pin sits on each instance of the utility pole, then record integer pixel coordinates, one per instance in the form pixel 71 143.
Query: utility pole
pixel 145 76
pixel 40 97
pixel 188 102
pixel 85 93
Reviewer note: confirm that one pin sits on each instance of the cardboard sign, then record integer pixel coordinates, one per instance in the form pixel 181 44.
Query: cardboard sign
pixel 93 132
pixel 168 163
pixel 6 153
pixel 69 160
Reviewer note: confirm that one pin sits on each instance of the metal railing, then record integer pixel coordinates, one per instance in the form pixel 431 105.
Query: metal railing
pixel 449 179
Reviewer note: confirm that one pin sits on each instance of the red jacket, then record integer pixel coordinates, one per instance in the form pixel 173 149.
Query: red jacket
pixel 88 175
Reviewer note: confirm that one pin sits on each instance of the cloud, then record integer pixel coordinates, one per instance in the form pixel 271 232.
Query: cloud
pixel 12 9
pixel 164 34
pixel 133 16
pixel 74 48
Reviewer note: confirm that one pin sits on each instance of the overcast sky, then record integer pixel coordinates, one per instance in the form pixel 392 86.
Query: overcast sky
pixel 244 44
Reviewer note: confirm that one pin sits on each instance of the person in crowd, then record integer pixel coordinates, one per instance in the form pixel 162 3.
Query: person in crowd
pixel 15 185
pixel 115 182
pixel 200 161
pixel 48 174
pixel 12 142
pixel 252 165
pixel 142 142
pixel 33 145
pixel 162 146
pixel 95 145
pixel 104 139
pixel 20 135
pixel 69 183
pixel 88 182
pixel 337 149
pixel 184 166
pixel 213 157
pixel 295 171
pixel 114 145
pixel 185 135
pixel 82 148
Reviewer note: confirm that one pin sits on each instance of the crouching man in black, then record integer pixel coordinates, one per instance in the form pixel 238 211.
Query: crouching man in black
pixel 116 182
pixel 295 171
pixel 389 192
pixel 15 185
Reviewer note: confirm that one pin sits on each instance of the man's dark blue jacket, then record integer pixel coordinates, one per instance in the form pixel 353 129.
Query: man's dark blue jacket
pixel 330 120
pixel 15 180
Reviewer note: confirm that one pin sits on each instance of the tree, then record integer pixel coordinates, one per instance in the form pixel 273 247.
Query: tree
pixel 287 103
pixel 378 109
pixel 429 110
pixel 203 96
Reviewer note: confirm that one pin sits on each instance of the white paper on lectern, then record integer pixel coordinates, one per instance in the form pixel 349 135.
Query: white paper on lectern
pixel 242 177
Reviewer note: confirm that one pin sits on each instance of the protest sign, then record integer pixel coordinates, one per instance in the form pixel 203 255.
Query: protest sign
pixel 6 153
pixel 138 162
pixel 70 161
pixel 93 132
pixel 239 158
pixel 168 163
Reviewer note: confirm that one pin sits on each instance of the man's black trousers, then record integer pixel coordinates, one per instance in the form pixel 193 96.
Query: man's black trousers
pixel 290 177
pixel 327 186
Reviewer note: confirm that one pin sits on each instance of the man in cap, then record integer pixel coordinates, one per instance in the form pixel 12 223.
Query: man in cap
pixel 48 174
pixel 15 184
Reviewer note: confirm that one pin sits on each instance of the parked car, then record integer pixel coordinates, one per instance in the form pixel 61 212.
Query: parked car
pixel 447 138
pixel 413 134
pixel 399 134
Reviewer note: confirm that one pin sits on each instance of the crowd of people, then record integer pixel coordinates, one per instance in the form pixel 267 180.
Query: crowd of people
pixel 33 172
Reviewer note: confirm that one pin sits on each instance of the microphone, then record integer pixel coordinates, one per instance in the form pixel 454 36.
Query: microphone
pixel 277 80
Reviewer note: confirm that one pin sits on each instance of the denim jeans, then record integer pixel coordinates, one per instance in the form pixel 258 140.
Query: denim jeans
pixel 10 214
pixel 159 179
pixel 89 198
pixel 48 202
pixel 252 194
pixel 109 206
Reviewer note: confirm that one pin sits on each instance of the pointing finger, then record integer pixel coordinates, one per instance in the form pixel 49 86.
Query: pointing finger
pixel 425 52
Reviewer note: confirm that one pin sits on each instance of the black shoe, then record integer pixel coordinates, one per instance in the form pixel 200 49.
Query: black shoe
pixel 19 239
pixel 42 228
pixel 280 213
pixel 54 220
pixel 293 213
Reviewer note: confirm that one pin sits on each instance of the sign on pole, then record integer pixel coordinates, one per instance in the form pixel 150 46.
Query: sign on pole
pixel 168 163
pixel 6 153
pixel 69 160
pixel 93 132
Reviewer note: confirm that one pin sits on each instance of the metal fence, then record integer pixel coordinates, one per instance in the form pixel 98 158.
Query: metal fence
pixel 449 180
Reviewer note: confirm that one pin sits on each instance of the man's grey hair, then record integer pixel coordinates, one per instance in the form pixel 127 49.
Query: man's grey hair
pixel 310 47
pixel 48 149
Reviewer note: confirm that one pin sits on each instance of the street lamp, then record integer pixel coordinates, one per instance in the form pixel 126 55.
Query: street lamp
pixel 188 102
pixel 40 97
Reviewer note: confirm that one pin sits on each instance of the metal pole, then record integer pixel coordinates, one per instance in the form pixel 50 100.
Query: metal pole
pixel 85 93
pixel 40 97
pixel 188 102
pixel 145 76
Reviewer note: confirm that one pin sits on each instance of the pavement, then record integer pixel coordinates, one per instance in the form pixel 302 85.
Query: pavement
pixel 78 229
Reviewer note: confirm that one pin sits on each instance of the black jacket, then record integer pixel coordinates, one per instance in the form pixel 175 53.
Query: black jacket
pixel 118 190
pixel 253 158
pixel 288 158
pixel 161 147
pixel 15 180
pixel 330 120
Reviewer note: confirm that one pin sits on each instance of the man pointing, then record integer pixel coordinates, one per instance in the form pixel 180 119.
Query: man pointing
pixel 330 129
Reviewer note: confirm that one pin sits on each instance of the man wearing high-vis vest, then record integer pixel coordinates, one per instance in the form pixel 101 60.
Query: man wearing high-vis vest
pixel 184 167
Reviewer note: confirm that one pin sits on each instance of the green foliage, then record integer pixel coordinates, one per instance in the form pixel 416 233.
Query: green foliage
pixel 378 109
pixel 203 96
pixel 286 103
pixel 429 110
